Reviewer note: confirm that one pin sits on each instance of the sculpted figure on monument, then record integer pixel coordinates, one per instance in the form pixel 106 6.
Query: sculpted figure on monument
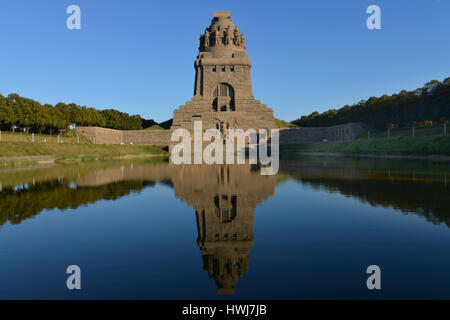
pixel 218 38
pixel 237 38
pixel 202 40
pixel 243 41
pixel 220 127
pixel 206 43
pixel 228 39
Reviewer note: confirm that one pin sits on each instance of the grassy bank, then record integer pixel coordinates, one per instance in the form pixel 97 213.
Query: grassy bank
pixel 17 149
pixel 104 157
pixel 17 163
pixel 401 145
pixel 283 124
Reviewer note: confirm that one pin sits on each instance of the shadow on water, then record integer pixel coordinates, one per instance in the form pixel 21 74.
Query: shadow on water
pixel 224 197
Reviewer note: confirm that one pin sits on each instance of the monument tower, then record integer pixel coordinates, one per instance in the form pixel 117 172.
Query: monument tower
pixel 223 96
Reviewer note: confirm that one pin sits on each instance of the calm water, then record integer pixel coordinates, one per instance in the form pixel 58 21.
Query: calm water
pixel 156 230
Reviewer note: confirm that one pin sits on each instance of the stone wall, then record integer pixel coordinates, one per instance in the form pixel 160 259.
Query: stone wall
pixel 146 137
pixel 99 135
pixel 343 132
pixel 136 137
pixel 348 131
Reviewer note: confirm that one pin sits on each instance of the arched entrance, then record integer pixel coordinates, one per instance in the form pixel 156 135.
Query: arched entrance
pixel 223 98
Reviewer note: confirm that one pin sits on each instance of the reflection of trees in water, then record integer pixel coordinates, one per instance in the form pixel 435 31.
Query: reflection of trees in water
pixel 210 186
pixel 429 200
pixel 379 188
pixel 18 205
pixel 224 198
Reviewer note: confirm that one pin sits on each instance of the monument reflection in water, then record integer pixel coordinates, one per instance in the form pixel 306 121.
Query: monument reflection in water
pixel 331 206
pixel 224 198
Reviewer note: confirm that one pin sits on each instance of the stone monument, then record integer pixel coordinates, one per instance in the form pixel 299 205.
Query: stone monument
pixel 223 97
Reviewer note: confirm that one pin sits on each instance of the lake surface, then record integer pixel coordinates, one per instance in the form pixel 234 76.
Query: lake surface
pixel 142 230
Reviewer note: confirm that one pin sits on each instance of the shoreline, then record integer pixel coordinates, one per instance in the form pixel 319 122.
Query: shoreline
pixel 20 161
pixel 428 157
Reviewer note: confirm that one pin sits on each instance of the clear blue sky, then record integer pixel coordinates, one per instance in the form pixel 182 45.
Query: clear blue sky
pixel 137 56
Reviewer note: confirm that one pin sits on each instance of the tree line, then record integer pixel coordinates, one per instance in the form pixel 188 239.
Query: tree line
pixel 427 105
pixel 22 114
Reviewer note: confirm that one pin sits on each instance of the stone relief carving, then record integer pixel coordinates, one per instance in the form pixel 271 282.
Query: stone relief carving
pixel 219 37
